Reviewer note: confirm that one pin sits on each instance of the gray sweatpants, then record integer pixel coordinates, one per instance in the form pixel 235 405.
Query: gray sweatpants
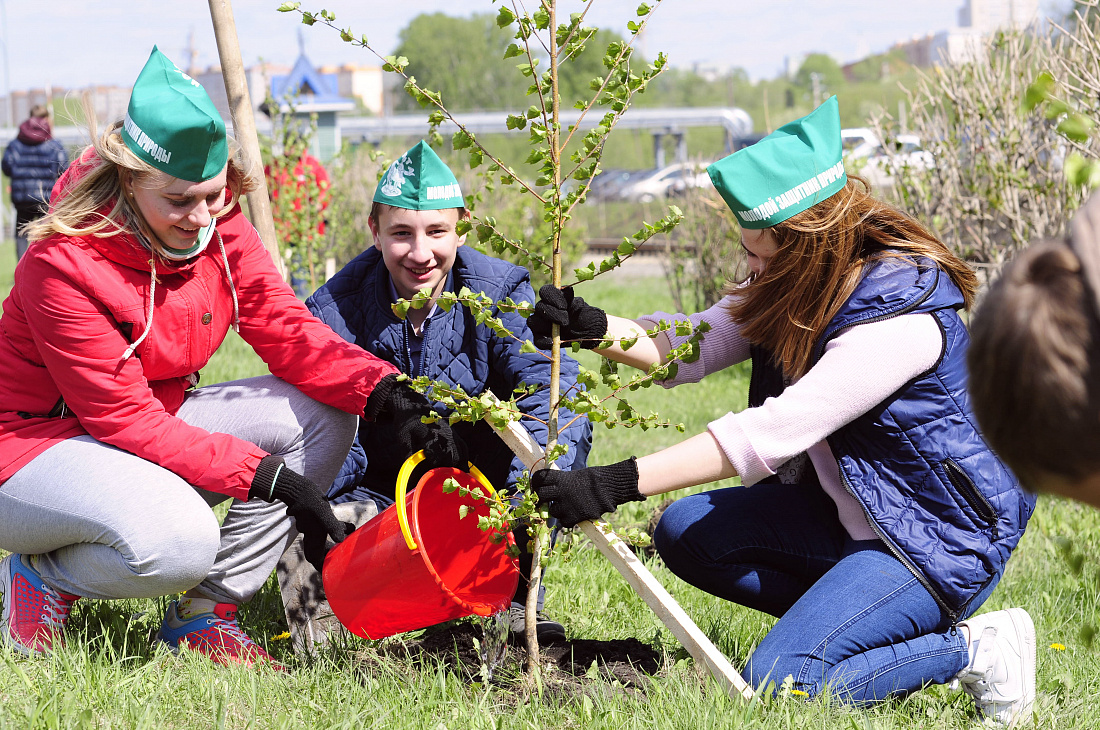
pixel 108 524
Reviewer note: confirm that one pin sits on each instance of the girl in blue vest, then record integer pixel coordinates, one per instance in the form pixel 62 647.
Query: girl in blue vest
pixel 876 519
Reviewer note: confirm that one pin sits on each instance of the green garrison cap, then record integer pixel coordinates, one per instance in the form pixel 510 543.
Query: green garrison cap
pixel 419 180
pixel 796 166
pixel 172 124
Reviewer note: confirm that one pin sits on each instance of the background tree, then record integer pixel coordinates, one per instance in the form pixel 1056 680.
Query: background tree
pixel 461 58
pixel 822 64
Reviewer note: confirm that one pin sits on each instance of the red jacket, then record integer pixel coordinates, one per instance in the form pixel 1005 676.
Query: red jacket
pixel 77 304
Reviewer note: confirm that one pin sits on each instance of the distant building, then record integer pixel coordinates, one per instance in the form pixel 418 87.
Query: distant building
pixel 258 78
pixel 305 92
pixel 988 16
pixel 918 50
pixel 978 19
pixel 365 83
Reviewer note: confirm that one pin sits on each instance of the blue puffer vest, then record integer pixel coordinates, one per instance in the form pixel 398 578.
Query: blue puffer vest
pixel 456 350
pixel 33 168
pixel 932 489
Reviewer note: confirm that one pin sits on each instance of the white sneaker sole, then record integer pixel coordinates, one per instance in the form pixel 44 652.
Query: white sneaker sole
pixel 1025 631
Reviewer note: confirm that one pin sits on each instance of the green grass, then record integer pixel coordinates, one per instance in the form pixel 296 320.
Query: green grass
pixel 108 677
pixel 7 265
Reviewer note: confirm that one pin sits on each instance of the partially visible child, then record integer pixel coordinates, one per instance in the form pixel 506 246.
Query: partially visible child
pixel 1035 362
pixel 413 220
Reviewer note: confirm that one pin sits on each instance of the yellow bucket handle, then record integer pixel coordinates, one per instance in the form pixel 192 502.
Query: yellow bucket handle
pixel 403 484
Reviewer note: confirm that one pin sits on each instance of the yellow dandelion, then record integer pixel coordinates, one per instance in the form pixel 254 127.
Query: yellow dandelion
pixel 799 693
pixel 281 637
pixel 1058 647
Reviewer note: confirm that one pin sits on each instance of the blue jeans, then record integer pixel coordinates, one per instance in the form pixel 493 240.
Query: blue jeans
pixel 852 616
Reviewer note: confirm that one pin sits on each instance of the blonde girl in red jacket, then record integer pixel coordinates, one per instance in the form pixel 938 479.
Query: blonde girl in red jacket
pixel 110 458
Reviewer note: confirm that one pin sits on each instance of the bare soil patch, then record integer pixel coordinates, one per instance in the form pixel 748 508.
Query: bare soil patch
pixel 570 668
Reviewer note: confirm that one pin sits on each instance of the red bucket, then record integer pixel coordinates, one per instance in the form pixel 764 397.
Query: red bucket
pixel 418 564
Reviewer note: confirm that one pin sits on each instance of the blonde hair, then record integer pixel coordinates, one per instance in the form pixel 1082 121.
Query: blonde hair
pixel 78 210
pixel 820 258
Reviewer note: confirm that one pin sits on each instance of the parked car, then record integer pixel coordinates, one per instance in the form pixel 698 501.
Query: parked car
pixel 665 182
pixel 608 184
pixel 865 152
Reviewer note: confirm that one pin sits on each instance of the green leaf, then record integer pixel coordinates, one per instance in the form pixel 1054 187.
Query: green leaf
pixel 586 274
pixel 644 10
pixel 542 19
pixel 463 510
pixel 288 7
pixel 533 112
pixel 460 140
pixel 516 121
pixel 346 36
pixel 505 18
pixel 512 51
pixel 1076 127
pixel 401 308
pixel 1039 90
pixel 1056 108
pixel 528 346
pixel 308 19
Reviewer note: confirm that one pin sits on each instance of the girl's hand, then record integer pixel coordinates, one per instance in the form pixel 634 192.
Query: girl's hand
pixel 305 502
pixel 585 494
pixel 578 321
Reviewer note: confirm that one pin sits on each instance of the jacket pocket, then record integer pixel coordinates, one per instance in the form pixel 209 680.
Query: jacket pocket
pixel 970 492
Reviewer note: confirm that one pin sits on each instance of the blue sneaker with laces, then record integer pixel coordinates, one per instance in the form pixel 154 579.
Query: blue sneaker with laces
pixel 215 634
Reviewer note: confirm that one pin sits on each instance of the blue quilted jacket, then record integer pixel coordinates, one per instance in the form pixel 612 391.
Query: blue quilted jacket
pixel 33 168
pixel 932 489
pixel 356 304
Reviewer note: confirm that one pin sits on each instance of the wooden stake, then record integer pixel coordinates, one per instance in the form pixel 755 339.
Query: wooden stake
pixel 244 124
pixel 640 579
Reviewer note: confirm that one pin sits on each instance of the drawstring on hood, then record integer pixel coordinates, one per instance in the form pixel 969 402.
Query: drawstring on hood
pixel 152 288
pixel 149 316
pixel 232 289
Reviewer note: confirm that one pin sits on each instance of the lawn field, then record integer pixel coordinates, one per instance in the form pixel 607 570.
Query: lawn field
pixel 108 676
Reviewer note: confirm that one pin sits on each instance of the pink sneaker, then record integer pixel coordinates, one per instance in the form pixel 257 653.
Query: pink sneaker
pixel 34 615
pixel 215 635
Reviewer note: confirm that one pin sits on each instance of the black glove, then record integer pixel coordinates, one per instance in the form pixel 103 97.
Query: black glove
pixel 393 401
pixel 305 502
pixel 585 494
pixel 578 321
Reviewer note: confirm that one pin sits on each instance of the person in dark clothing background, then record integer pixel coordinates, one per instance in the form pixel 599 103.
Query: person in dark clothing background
pixel 32 161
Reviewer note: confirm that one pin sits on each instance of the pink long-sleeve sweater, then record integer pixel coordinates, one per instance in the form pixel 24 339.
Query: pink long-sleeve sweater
pixel 859 369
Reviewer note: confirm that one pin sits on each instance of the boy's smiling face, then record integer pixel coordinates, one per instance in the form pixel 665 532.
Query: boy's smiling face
pixel 418 246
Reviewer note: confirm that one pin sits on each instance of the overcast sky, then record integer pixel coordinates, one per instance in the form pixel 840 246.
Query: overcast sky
pixel 74 43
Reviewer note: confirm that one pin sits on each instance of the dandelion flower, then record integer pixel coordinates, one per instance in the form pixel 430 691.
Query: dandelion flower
pixel 799 693
pixel 1058 647
pixel 281 637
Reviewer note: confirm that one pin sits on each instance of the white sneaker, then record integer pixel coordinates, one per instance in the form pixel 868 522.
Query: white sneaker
pixel 1001 673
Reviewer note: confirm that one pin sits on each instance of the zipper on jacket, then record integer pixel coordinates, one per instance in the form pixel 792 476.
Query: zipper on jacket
pixel 977 501
pixel 902 558
pixel 424 342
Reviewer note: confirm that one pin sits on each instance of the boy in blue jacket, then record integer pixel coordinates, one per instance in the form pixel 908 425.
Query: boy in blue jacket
pixel 413 220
